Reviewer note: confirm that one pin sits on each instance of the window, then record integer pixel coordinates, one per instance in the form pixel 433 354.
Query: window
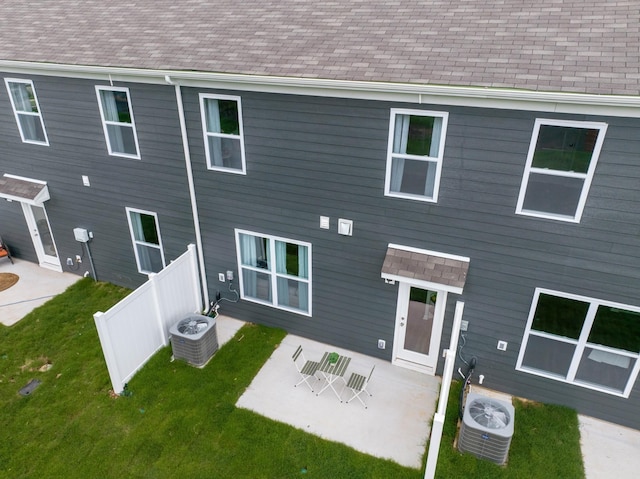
pixel 582 341
pixel 275 271
pixel 117 121
pixel 222 128
pixel 147 245
pixel 27 111
pixel 414 154
pixel 560 165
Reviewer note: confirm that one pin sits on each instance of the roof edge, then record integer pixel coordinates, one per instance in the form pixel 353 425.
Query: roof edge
pixel 482 97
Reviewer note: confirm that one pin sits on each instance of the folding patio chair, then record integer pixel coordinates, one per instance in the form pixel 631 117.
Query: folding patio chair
pixel 4 251
pixel 307 369
pixel 358 384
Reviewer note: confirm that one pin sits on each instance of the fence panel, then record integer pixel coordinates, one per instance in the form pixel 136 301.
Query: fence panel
pixel 178 293
pixel 138 326
pixel 447 375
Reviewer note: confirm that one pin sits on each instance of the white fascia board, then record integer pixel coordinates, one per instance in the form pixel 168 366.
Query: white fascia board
pixel 429 285
pixel 427 252
pixel 485 97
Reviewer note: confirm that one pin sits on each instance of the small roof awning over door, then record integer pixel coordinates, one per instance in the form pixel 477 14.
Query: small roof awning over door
pixel 24 190
pixel 427 269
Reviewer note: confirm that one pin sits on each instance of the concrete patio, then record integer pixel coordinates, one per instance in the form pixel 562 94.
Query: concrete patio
pixel 395 425
pixel 35 287
pixel 397 421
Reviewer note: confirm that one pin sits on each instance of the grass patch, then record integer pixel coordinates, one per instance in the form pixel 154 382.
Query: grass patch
pixel 181 421
pixel 546 443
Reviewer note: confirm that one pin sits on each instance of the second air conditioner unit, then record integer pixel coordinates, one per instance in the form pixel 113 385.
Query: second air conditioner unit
pixel 487 428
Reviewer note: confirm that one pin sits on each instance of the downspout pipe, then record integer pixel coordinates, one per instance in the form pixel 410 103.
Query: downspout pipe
pixel 192 191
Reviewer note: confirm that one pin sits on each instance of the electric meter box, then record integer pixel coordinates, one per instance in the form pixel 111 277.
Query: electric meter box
pixel 81 235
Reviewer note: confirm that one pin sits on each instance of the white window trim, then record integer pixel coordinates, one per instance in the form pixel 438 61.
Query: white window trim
pixel 17 113
pixel 151 245
pixel 272 272
pixel 588 177
pixel 206 134
pixel 437 160
pixel 580 344
pixel 131 125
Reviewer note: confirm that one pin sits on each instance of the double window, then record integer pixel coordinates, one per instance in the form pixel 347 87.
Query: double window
pixel 117 121
pixel 275 271
pixel 145 235
pixel 27 111
pixel 560 165
pixel 414 154
pixel 222 130
pixel 583 341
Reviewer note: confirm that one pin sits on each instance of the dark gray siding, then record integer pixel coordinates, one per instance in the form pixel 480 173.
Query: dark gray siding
pixel 157 182
pixel 309 156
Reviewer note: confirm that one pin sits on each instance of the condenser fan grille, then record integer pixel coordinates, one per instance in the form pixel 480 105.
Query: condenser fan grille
pixel 487 428
pixel 192 326
pixel 489 413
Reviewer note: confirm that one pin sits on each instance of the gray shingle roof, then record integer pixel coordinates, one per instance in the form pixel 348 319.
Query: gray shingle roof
pixel 548 45
pixel 425 267
pixel 22 189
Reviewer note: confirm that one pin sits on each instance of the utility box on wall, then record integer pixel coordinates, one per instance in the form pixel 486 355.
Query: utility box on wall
pixel 81 235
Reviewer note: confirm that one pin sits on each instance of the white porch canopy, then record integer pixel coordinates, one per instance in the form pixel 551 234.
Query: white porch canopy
pixel 424 268
pixel 24 190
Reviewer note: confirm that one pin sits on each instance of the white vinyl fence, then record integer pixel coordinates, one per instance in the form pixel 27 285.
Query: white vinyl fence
pixel 138 326
pixel 447 376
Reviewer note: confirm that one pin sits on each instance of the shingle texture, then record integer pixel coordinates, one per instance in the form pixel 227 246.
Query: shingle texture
pixel 425 267
pixel 547 45
pixel 19 188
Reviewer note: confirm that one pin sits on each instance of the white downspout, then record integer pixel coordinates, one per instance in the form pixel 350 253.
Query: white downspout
pixel 192 192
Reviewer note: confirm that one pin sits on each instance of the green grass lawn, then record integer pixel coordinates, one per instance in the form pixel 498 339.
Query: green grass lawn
pixel 545 444
pixel 181 421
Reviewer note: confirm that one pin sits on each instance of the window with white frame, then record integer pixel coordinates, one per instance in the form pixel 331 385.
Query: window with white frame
pixel 222 129
pixel 275 271
pixel 560 166
pixel 583 341
pixel 147 244
pixel 117 121
pixel 414 154
pixel 27 111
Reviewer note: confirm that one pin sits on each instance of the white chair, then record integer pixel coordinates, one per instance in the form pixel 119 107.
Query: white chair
pixel 307 369
pixel 358 384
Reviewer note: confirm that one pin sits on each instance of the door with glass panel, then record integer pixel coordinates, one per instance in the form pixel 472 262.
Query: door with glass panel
pixel 41 235
pixel 419 319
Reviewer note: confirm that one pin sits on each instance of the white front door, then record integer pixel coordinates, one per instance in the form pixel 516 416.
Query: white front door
pixel 41 235
pixel 419 318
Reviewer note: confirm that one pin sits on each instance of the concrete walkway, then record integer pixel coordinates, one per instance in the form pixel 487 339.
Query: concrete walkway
pixel 609 450
pixel 35 287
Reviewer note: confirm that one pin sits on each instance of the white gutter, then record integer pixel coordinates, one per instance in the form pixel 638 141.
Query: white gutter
pixel 579 103
pixel 192 193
